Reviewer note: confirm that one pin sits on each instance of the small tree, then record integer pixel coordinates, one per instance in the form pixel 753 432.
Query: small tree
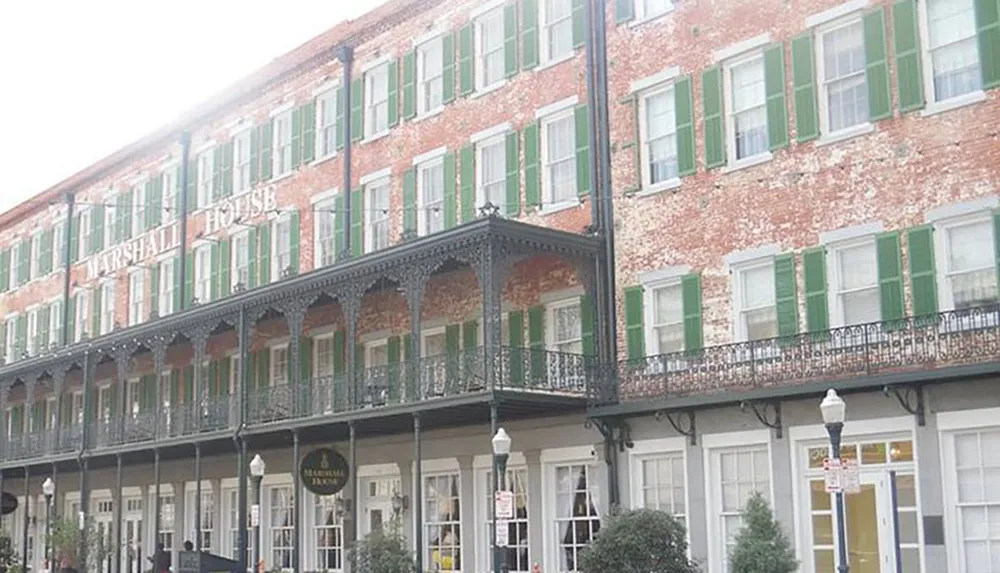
pixel 761 545
pixel 382 551
pixel 638 541
pixel 67 539
pixel 8 557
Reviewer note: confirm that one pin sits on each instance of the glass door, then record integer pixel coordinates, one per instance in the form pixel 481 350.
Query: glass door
pixel 131 554
pixel 378 503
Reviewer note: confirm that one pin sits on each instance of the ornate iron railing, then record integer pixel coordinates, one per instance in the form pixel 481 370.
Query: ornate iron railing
pixel 911 344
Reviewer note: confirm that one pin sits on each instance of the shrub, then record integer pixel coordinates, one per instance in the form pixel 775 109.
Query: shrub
pixel 761 545
pixel 638 541
pixel 383 551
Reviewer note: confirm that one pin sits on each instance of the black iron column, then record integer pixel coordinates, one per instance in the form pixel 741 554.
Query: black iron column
pixel 490 273
pixel 55 491
pixel 296 504
pixel 122 358
pixel 27 518
pixel 197 496
pixel 413 286
pixel 295 313
pixel 58 388
pixel 494 424
pixel 350 305
pixel 157 503
pixel 118 516
pixel 159 348
pixel 84 516
pixel 352 447
pixel 4 397
pixel 418 498
pixel 199 340
pixel 29 411
pixel 243 374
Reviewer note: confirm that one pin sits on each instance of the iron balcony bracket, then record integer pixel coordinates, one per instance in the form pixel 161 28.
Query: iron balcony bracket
pixel 676 420
pixel 767 412
pixel 614 430
pixel 911 398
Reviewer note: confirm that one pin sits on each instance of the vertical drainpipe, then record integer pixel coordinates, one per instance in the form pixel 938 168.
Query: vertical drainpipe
pixel 67 279
pixel 183 215
pixel 346 56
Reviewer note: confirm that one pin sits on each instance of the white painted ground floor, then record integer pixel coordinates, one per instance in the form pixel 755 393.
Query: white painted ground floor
pixel 947 486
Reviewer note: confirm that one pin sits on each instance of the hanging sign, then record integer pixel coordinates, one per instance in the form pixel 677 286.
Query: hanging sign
pixel 503 504
pixel 139 249
pixel 503 533
pixel 832 475
pixel 8 504
pixel 254 515
pixel 324 471
pixel 240 209
pixel 850 479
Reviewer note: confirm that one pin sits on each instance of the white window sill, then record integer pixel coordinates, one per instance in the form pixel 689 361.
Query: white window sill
pixel 650 18
pixel 937 107
pixel 281 177
pixel 555 62
pixel 428 114
pixel 375 136
pixel 556 207
pixel 748 162
pixel 659 187
pixel 480 92
pixel 323 159
pixel 845 134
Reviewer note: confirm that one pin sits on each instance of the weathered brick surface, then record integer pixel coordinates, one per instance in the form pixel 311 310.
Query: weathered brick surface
pixel 907 165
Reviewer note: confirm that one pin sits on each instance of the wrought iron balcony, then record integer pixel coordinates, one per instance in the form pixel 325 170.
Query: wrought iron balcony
pixel 923 343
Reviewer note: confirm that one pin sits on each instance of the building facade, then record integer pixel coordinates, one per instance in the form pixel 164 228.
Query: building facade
pixel 642 236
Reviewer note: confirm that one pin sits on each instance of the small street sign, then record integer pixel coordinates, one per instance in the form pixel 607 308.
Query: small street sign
pixel 503 504
pixel 850 480
pixel 254 515
pixel 832 475
pixel 503 533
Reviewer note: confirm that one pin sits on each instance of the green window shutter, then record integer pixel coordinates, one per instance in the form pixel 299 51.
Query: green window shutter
pixel 587 326
pixel 513 179
pixel 582 131
pixel 906 44
pixel 24 262
pixel 785 298
pixel 188 389
pixel 529 34
pixel 509 40
pixel 635 338
pixel 877 65
pixel 252 257
pixel 296 235
pixel 95 314
pixel 691 302
pixel 579 22
pixel 988 26
pixel 192 185
pixel 339 366
pixel 393 93
pixel 774 88
pixel 392 351
pixel 74 241
pixel 407 347
pixel 252 371
pixel 890 276
pixel 308 132
pixel 70 333
pixel 305 359
pixel 264 368
pixel 923 275
pixel 153 292
pixel 126 215
pixel 624 10
pixel 341 114
pixel 225 260
pixel 218 166
pixel 450 199
pixel 263 253
pixel 711 101
pixel 21 329
pixel 470 334
pixel 804 84
pixel 532 175
pixel 178 285
pixel 515 326
pixel 452 339
pixel 5 270
pixel 410 202
pixel 296 142
pixel 42 333
pixel 214 278
pixel 409 84
pixel 45 257
pixel 266 147
pixel 188 280
pixel 255 138
pixel 357 222
pixel 116 234
pixel 357 109
pixel 96 229
pixel 448 68
pixel 536 342
pixel 814 279
pixel 685 126
pixel 339 216
pixel 467 183
pixel 226 177
pixel 465 78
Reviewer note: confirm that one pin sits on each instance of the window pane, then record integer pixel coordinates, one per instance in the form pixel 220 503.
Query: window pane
pixel 758 287
pixel 844 78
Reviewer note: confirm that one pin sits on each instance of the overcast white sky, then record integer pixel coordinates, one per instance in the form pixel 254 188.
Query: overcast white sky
pixel 79 79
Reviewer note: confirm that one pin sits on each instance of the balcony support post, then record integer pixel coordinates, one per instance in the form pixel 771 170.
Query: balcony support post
pixel 418 498
pixel 491 272
pixel 239 440
pixel 58 388
pixel 296 505
pixel 197 496
pixel 29 413
pixel 27 517
pixel 157 502
pixel 159 347
pixel 123 356
pixel 295 314
pixel 4 397
pixel 117 526
pixel 350 306
pixel 413 282
pixel 199 340
pixel 352 446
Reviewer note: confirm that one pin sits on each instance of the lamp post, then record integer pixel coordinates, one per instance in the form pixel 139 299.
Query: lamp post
pixel 49 489
pixel 257 467
pixel 834 411
pixel 501 451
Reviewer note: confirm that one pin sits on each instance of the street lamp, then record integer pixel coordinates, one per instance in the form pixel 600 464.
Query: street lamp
pixel 834 411
pixel 501 451
pixel 257 467
pixel 49 489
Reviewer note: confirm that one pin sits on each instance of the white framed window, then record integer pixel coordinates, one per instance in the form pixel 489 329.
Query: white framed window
pixel 658 136
pixel 735 473
pixel 170 192
pixel 136 296
pixel 106 404
pixel 165 289
pixel 660 482
pixel 951 53
pixel 206 177
pixel 326 123
pixel 745 107
pixel 279 365
pixel 328 532
pixel 377 215
pixel 35 256
pixel 240 259
pixel 430 197
pixel 754 301
pixel 10 339
pixel 430 75
pixel 433 342
pixel 132 392
pixel 556 21
pixel 203 273
pixel 972 463
pixel 323 356
pixel 443 522
pixel 377 100
pixel 84 245
pixel 558 135
pixel 58 246
pixel 55 323
pixel 489 68
pixel 840 67
pixel 110 220
pixel 281 525
pixel 664 308
pixel 202 525
pixel 649 9
pixel 282 143
pixel 107 306
pixel 576 520
pixel 232 497
pixel 32 342
pixel 326 240
pixel 167 511
pixel 138 207
pixel 967 267
pixel 81 309
pixel 565 327
pixel 281 248
pixel 491 172
pixel 518 558
pixel 377 353
pixel 853 280
pixel 241 161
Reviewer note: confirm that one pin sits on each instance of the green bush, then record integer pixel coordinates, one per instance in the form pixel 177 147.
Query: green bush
pixel 761 546
pixel 638 541
pixel 8 557
pixel 382 551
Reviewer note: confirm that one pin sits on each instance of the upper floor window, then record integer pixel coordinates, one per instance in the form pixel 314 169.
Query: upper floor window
pixel 20 271
pixel 12 345
pixel 81 308
pixel 565 326
pixel 326 241
pixel 952 54
pixel 58 245
pixel 557 29
pixel 241 161
pixel 166 287
pixel 279 365
pixel 754 301
pixel 107 294
pixel 240 260
pixel 139 208
pixel 746 107
pixel 282 143
pixel 282 247
pixel 36 255
pixel 665 306
pixel 112 222
pixel 841 69
pixel 55 323
pixel 377 353
pixel 170 193
pixel 203 273
pixel 326 123
pixel 85 245
pixel 136 296
pixel 854 283
pixel 647 9
pixel 559 158
pixel 34 327
pixel 968 278
pixel 491 171
pixel 205 166
pixel 377 100
pixel 658 134
pixel 430 196
pixel 489 48
pixel 324 351
pixel 430 76
pixel 377 215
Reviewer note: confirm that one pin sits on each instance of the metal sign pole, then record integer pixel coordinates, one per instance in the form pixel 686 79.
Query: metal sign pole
pixel 895 522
